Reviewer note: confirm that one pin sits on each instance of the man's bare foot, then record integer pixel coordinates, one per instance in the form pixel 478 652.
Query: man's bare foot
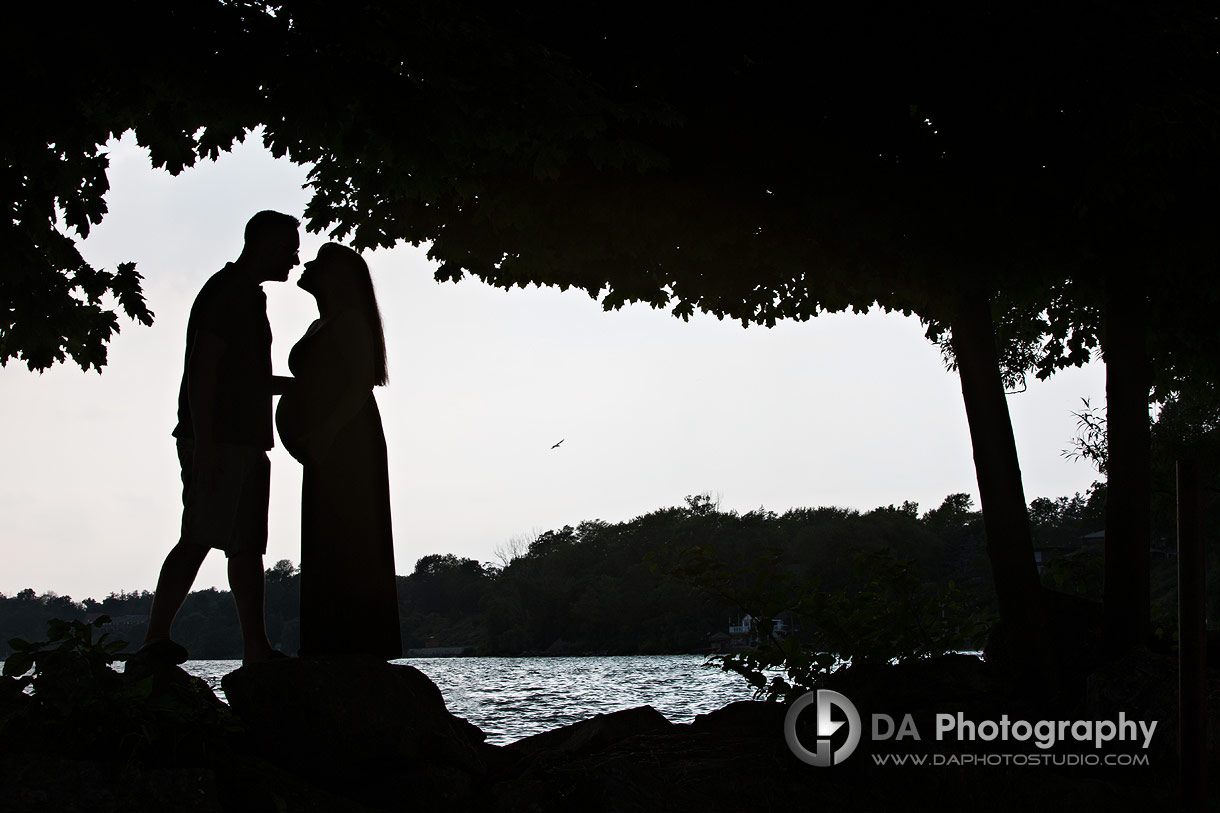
pixel 263 657
pixel 164 650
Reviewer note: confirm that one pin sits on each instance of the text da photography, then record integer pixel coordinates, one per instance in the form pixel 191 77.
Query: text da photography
pixel 823 728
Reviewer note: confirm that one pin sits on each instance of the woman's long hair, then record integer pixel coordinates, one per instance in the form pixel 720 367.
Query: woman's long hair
pixel 363 281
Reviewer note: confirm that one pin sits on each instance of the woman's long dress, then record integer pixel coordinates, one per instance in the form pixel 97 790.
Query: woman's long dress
pixel 349 602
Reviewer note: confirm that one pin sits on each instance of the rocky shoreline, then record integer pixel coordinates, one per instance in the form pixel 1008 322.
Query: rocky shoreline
pixel 358 734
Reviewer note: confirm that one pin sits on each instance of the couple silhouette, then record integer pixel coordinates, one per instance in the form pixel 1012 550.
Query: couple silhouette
pixel 327 420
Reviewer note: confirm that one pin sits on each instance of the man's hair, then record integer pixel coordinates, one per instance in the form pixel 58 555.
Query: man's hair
pixel 266 223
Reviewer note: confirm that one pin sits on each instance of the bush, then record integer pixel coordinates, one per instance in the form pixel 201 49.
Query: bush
pixel 889 616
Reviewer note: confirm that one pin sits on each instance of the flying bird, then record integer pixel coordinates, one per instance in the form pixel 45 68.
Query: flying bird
pixel 556 446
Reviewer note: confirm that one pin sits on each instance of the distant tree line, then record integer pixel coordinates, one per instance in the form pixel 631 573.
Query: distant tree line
pixel 606 587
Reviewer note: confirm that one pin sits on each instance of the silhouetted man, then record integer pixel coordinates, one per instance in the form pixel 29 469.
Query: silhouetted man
pixel 224 432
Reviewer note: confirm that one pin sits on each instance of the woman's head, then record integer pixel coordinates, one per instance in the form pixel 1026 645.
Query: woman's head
pixel 341 277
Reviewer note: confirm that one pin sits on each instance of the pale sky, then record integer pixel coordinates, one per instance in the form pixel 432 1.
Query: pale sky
pixel 853 411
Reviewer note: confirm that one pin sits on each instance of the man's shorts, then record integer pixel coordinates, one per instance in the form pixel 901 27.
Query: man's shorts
pixel 232 514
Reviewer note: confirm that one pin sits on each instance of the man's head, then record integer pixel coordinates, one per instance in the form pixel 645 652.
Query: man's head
pixel 272 243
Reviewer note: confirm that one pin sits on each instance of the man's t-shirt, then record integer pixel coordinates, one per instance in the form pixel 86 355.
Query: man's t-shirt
pixel 234 308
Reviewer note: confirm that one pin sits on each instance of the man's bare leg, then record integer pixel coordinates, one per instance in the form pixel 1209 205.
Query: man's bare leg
pixel 246 582
pixel 177 575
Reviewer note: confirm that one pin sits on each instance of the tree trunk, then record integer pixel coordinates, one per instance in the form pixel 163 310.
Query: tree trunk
pixel 1128 526
pixel 1005 517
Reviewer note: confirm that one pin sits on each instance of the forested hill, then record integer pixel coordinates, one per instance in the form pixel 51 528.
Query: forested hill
pixel 609 588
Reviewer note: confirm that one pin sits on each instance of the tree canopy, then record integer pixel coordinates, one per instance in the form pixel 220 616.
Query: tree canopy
pixel 758 167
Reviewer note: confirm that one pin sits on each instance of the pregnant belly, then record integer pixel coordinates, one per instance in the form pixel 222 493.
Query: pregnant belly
pixel 293 422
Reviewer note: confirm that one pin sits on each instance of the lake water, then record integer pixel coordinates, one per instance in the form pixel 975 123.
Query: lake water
pixel 511 698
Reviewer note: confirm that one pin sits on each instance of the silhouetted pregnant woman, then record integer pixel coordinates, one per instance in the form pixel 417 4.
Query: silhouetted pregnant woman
pixel 328 420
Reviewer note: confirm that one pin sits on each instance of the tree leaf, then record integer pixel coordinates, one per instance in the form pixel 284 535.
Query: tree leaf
pixel 18 664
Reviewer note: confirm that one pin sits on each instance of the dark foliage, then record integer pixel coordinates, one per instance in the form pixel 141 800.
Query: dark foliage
pixel 67 683
pixel 603 587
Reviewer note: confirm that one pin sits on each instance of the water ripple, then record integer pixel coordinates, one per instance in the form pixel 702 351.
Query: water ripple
pixel 511 698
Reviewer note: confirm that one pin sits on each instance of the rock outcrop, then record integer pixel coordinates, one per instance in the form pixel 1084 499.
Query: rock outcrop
pixel 372 731
pixel 353 735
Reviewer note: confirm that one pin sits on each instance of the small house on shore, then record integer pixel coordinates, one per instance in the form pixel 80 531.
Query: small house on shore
pixel 744 632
